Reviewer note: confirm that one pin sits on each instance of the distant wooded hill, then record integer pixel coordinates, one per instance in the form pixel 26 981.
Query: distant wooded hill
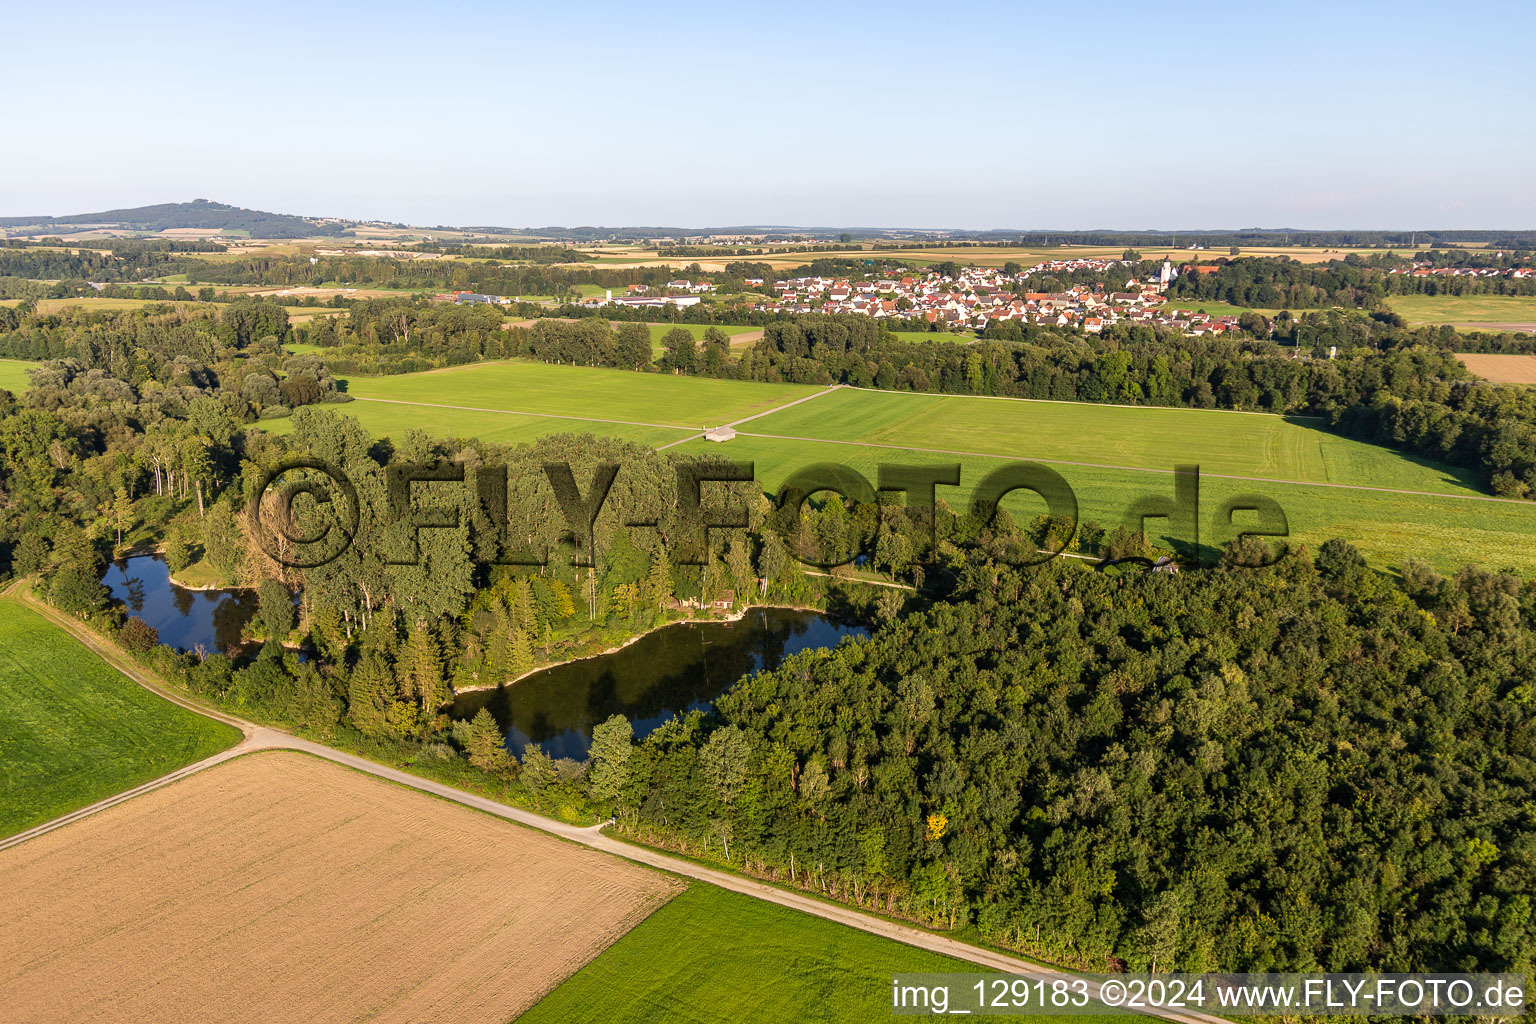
pixel 200 213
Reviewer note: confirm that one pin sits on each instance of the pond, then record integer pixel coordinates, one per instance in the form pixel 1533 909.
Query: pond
pixel 674 670
pixel 187 619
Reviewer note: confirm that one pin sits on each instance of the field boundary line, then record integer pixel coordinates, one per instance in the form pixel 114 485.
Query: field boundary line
pixel 1143 469
pixel 1101 405
pixel 759 415
pixel 266 738
pixel 245 746
pixel 856 579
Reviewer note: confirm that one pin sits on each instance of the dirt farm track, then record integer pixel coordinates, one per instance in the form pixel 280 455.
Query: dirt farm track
pixel 279 887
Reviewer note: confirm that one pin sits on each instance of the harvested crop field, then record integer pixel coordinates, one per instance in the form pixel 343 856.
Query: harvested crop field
pixel 1501 369
pixel 279 887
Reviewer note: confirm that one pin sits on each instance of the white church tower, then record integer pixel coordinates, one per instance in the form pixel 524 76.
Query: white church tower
pixel 1167 274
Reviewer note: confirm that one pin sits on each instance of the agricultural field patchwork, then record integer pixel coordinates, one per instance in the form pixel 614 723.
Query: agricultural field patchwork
pixel 971 255
pixel 74 730
pixel 1329 486
pixel 279 887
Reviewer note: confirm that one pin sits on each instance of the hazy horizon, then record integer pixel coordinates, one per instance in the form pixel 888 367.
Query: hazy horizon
pixel 1363 116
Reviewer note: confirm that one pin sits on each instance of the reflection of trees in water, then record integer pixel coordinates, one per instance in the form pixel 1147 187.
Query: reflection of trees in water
pixel 135 593
pixel 229 619
pixel 669 671
pixel 187 619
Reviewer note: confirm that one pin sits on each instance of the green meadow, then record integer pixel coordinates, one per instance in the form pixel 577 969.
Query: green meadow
pixel 659 331
pixel 1445 531
pixel 74 730
pixel 710 956
pixel 13 375
pixel 532 387
pixel 1457 309
pixel 383 419
pixel 1110 455
pixel 1233 443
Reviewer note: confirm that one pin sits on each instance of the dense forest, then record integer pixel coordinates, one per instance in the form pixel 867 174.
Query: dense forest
pixel 1313 769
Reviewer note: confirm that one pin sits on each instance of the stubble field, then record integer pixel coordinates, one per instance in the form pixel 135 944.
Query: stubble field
pixel 1501 369
pixel 278 887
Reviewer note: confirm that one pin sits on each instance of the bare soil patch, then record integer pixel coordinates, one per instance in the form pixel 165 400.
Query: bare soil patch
pixel 279 887
pixel 1501 369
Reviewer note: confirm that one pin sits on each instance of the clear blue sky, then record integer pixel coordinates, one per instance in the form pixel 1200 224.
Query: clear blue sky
pixel 1137 115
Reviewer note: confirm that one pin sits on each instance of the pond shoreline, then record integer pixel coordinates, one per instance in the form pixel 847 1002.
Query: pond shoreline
pixel 159 549
pixel 690 621
pixel 189 619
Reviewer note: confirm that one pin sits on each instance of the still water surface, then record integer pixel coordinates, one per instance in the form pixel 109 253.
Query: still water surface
pixel 676 669
pixel 188 620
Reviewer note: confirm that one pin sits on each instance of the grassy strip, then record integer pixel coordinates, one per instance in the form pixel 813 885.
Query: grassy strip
pixel 74 730
pixel 711 955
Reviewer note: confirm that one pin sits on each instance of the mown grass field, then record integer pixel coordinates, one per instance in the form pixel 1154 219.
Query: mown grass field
pixel 1446 532
pixel 13 375
pixel 1465 309
pixel 1110 455
pixel 716 957
pixel 389 420
pixel 1234 443
pixel 1134 451
pixel 533 387
pixel 74 730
